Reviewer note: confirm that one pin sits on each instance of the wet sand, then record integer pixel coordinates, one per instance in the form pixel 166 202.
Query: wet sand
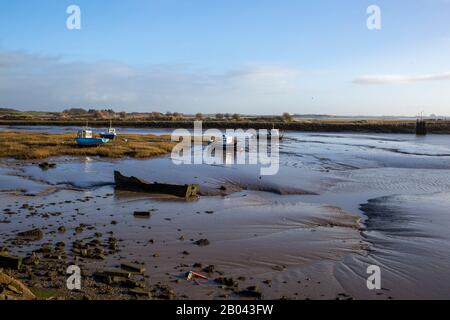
pixel 338 204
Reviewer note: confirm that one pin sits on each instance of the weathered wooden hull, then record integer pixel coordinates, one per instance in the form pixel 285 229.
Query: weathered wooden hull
pixel 135 184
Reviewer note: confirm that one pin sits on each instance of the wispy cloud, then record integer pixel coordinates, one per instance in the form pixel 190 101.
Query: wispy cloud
pixel 40 82
pixel 400 79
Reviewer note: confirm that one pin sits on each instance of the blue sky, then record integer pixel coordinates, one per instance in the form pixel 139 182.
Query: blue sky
pixel 244 56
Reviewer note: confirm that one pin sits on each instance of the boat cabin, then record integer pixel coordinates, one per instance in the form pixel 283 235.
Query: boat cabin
pixel 85 134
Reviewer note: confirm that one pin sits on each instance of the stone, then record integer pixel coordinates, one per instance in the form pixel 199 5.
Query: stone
pixel 229 282
pixel 10 262
pixel 140 293
pixel 118 273
pixel 31 235
pixel 210 269
pixel 251 292
pixel 14 289
pixel 142 214
pixel 133 267
pixel 202 242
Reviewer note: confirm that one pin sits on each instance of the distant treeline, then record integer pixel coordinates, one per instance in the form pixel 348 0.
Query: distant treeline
pixel 368 126
pixel 80 114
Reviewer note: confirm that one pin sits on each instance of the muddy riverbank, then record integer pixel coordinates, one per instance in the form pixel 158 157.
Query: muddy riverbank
pixel 338 204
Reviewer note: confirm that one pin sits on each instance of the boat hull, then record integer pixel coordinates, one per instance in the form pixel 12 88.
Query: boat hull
pixel 91 141
pixel 108 136
pixel 135 184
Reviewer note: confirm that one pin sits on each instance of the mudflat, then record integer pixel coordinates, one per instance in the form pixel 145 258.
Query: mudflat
pixel 340 203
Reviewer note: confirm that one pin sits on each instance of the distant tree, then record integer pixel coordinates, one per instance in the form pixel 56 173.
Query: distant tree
pixel 286 117
pixel 219 116
pixel 122 115
pixel 156 115
pixel 236 116
pixel 101 115
pixel 75 111
pixel 8 110
pixel 199 116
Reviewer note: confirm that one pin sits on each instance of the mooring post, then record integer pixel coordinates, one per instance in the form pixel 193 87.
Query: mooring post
pixel 421 127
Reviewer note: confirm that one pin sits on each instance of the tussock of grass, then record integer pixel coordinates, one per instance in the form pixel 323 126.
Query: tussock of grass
pixel 26 145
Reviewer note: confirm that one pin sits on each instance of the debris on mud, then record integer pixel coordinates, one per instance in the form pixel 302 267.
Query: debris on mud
pixel 31 235
pixel 47 165
pixel 202 242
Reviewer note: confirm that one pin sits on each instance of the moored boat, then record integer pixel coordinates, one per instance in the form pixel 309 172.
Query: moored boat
pixel 85 138
pixel 110 134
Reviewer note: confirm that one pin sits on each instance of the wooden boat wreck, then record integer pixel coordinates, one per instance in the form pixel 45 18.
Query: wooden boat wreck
pixel 138 185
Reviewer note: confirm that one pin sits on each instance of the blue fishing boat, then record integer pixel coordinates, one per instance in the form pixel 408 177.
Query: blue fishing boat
pixel 110 134
pixel 86 138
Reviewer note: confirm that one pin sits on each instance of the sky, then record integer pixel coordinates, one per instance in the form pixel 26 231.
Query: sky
pixel 244 56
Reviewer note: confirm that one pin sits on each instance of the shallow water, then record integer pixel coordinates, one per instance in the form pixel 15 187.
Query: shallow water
pixel 73 129
pixel 303 218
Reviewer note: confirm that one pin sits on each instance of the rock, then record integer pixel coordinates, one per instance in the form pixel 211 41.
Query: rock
pixel 133 267
pixel 46 165
pixel 45 248
pixel 251 292
pixel 15 288
pixel 229 282
pixel 209 269
pixel 140 293
pixel 278 268
pixel 142 214
pixel 10 262
pixel 132 284
pixel 202 242
pixel 79 229
pixel 31 235
pixel 62 229
pixel 33 259
pixel 96 256
pixel 94 243
pixel 59 245
pixel 102 277
pixel 118 273
pixel 163 292
pixel 4 251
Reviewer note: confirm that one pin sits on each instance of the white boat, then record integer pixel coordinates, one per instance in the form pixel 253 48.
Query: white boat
pixel 85 137
pixel 110 134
